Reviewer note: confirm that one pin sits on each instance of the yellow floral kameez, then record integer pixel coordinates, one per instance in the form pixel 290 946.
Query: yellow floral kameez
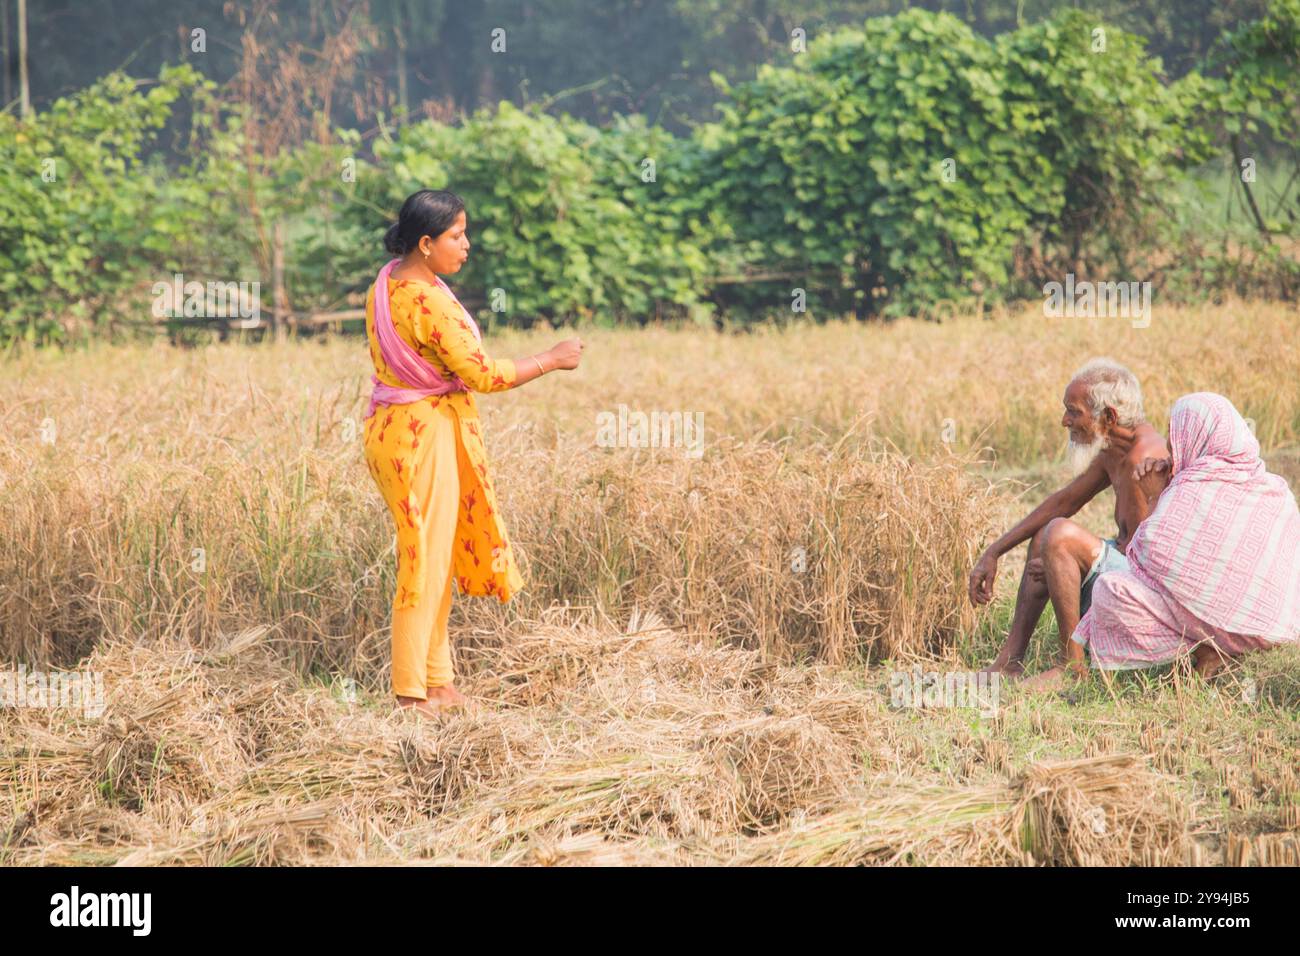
pixel 428 459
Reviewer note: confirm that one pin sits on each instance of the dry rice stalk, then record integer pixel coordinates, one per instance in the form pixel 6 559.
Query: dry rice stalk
pixel 1268 849
pixel 1099 811
pixel 649 748
pixel 1096 811
pixel 779 766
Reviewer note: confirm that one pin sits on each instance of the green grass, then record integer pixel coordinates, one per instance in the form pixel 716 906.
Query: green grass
pixel 1228 744
pixel 1213 201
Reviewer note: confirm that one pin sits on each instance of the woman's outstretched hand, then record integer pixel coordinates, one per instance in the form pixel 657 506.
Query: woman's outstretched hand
pixel 566 354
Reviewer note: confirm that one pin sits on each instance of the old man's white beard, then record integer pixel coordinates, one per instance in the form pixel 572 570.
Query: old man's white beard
pixel 1082 454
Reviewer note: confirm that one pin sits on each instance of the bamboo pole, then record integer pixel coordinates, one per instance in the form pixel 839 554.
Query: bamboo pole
pixel 279 307
pixel 4 51
pixel 24 92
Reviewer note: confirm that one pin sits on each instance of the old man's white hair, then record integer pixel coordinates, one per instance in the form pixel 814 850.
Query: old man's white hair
pixel 1111 385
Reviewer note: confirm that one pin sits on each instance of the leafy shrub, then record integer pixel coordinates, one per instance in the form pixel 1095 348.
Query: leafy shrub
pixel 908 160
pixel 79 206
pixel 902 167
pixel 560 218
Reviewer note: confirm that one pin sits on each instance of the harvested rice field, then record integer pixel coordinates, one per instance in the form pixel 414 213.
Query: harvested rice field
pixel 704 666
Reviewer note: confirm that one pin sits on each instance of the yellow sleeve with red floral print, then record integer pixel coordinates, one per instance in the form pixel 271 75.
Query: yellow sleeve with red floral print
pixel 441 325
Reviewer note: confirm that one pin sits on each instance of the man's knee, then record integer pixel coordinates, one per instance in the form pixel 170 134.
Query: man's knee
pixel 1062 536
pixel 1037 542
pixel 1057 535
pixel 1034 575
pixel 1066 544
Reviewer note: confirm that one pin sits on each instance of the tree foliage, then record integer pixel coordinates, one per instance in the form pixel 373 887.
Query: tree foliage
pixel 895 167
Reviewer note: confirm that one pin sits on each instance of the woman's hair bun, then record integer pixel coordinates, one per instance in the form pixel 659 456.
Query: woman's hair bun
pixel 393 240
pixel 428 212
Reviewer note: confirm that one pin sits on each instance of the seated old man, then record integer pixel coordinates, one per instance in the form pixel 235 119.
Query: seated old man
pixel 1109 437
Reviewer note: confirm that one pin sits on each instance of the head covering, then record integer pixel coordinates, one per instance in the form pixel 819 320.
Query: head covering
pixel 402 360
pixel 1224 538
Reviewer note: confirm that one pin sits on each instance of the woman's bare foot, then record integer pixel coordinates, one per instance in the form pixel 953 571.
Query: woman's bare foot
pixel 1208 660
pixel 422 707
pixel 446 697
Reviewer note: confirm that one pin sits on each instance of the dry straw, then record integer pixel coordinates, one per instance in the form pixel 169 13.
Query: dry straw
pixel 645 747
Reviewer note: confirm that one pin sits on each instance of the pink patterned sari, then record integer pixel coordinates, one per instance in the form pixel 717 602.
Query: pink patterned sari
pixel 1217 559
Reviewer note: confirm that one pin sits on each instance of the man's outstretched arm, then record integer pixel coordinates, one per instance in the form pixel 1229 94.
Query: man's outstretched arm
pixel 1063 503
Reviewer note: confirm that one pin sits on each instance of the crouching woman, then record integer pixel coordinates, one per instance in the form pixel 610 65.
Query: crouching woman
pixel 1214 570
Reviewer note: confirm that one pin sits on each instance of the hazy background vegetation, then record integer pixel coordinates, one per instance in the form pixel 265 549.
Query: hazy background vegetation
pixel 652 58
pixel 631 162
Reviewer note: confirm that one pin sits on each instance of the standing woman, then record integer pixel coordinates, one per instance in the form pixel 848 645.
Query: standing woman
pixel 424 443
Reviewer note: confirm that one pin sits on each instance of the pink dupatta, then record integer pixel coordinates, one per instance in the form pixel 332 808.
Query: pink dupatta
pixel 406 363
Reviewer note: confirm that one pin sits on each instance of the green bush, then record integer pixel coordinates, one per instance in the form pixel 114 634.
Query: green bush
pixel 910 160
pixel 560 218
pixel 81 221
pixel 896 168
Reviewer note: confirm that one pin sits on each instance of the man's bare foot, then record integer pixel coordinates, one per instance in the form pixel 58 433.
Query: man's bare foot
pixel 1055 678
pixel 446 697
pixel 422 707
pixel 1011 670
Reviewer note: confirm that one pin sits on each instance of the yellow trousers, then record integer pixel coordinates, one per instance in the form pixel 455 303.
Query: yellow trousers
pixel 421 644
